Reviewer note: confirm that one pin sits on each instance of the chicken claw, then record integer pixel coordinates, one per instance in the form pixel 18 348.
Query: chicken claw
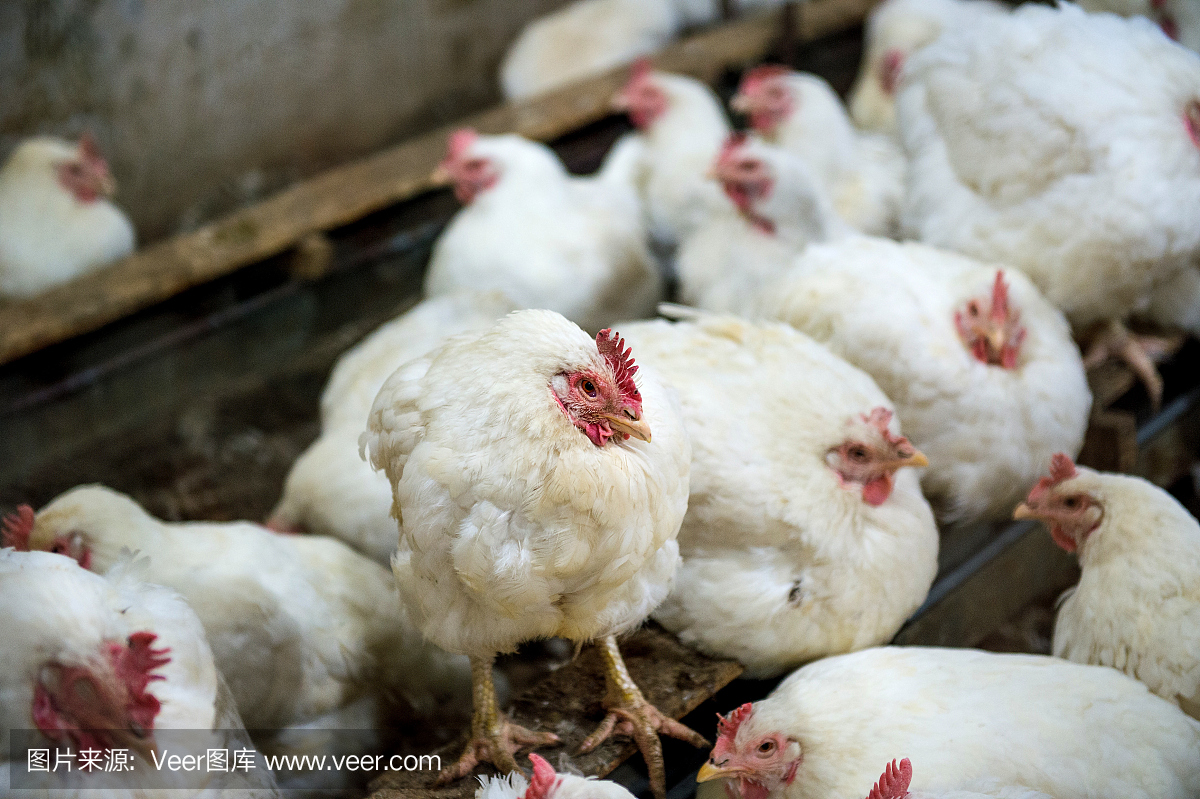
pixel 494 739
pixel 630 714
pixel 1138 352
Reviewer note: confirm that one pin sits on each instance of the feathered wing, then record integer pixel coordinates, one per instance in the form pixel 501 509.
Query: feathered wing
pixel 1015 129
pixel 1137 604
pixel 585 38
pixel 779 598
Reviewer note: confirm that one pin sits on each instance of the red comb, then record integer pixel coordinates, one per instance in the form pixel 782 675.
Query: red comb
pixel 133 664
pixel 460 141
pixel 760 74
pixel 612 347
pixel 889 77
pixel 16 528
pixel 640 69
pixel 727 726
pixel 543 780
pixel 999 298
pixel 88 147
pixel 880 418
pixel 893 784
pixel 1061 468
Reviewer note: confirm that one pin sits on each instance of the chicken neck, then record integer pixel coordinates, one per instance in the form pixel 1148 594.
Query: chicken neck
pixel 630 714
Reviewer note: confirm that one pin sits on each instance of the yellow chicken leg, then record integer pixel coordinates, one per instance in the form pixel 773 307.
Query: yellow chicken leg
pixel 494 739
pixel 630 714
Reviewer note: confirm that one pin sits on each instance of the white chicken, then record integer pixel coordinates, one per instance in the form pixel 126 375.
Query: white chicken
pixel 1065 144
pixel 110 664
pixel 682 128
pixel 330 490
pixel 546 784
pixel 896 30
pixel 301 626
pixel 587 37
pixel 546 239
pixel 982 370
pixel 893 784
pixel 1137 605
pixel 863 173
pixel 1179 19
pixel 775 209
pixel 805 536
pixel 532 504
pixel 1066 729
pixel 55 219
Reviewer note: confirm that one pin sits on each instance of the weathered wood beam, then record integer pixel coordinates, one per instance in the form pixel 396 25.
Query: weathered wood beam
pixel 343 195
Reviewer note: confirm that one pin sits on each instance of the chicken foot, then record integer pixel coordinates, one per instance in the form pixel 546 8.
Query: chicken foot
pixel 494 739
pixel 1140 353
pixel 630 714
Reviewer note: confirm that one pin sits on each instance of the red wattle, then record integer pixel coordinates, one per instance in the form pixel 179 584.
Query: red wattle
pixel 877 491
pixel 1062 539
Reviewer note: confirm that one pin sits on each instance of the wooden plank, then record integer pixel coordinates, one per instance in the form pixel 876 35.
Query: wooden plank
pixel 340 196
pixel 673 677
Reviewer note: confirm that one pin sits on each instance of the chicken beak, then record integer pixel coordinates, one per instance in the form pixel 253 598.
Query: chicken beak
pixel 917 460
pixel 1023 511
pixel 107 185
pixel 630 427
pixel 996 340
pixel 441 176
pixel 741 103
pixel 710 772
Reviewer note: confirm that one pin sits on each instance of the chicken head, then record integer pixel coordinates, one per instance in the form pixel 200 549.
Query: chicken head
pixel 867 460
pixel 86 175
pixel 19 531
pixel 753 763
pixel 641 98
pixel 990 328
pixel 603 403
pixel 1059 502
pixel 102 703
pixel 470 174
pixel 746 179
pixel 764 97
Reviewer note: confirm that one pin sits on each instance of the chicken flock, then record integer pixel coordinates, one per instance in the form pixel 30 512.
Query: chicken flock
pixel 876 339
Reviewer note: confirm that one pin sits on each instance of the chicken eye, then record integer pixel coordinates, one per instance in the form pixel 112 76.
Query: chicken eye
pixel 588 387
pixel 58 549
pixel 766 747
pixel 1071 503
pixel 858 454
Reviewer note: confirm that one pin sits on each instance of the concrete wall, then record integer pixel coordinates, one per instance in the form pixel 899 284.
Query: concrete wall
pixel 202 105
